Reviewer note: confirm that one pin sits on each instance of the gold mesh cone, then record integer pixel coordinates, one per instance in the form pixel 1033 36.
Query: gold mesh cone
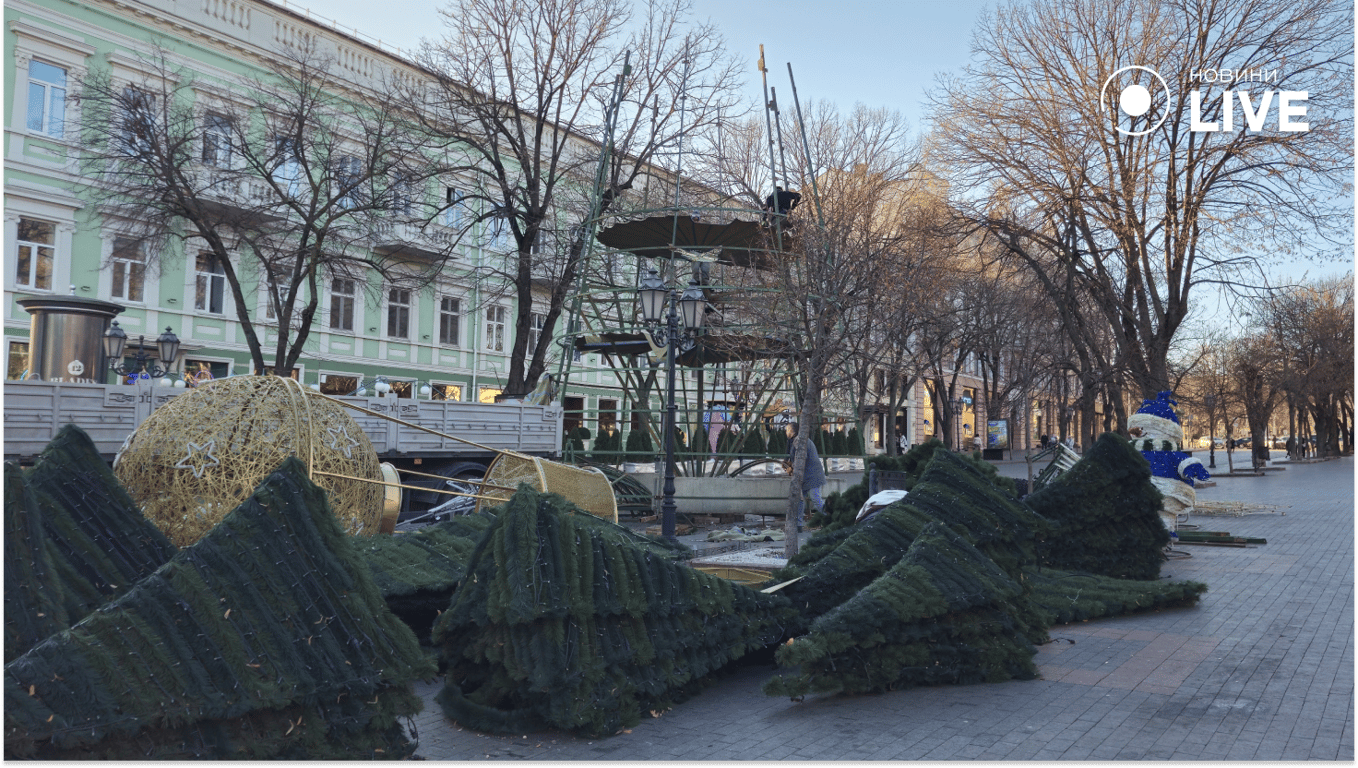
pixel 587 489
pixel 203 453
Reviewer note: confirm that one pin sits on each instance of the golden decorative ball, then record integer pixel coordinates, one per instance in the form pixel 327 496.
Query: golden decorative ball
pixel 200 455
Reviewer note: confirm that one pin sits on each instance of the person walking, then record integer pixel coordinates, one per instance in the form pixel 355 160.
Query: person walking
pixel 812 479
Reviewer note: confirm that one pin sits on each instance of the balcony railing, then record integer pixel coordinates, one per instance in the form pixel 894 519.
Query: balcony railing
pixel 429 240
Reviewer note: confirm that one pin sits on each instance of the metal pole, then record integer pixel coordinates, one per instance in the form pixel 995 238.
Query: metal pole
pixel 806 147
pixel 667 508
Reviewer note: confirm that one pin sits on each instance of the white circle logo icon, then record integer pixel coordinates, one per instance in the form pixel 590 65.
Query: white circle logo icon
pixel 75 367
pixel 1135 99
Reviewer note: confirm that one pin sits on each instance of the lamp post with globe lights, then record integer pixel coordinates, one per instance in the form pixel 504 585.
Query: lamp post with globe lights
pixel 655 297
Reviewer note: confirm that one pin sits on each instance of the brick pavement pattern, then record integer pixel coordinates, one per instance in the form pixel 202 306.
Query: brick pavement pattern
pixel 1261 669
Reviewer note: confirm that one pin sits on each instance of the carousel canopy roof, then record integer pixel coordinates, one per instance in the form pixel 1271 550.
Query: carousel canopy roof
pixel 742 243
pixel 711 349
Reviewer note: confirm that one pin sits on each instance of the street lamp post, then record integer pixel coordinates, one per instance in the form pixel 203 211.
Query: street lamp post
pixel 1211 401
pixel 655 296
pixel 115 339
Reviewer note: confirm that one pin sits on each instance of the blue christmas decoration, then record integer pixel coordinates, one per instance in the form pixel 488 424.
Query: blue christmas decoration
pixel 1155 430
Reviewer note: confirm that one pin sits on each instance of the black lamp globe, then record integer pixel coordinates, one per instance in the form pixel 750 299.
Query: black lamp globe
pixel 691 306
pixel 169 347
pixel 115 340
pixel 653 293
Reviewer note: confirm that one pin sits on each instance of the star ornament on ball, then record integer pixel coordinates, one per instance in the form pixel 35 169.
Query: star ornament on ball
pixel 339 440
pixel 199 458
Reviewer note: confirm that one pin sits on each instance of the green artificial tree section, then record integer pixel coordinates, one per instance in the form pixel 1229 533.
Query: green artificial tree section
pixel 565 621
pixel 416 572
pixel 35 595
pixel 91 520
pixel 958 493
pixel 265 639
pixel 951 490
pixel 943 613
pixel 1107 513
pixel 842 507
pixel 1065 597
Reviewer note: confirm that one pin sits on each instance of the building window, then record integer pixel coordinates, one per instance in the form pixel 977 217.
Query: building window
pixel 139 121
pixel 210 284
pixel 217 132
pixel 46 98
pixel 450 314
pixel 398 313
pixel 499 235
pixel 342 293
pixel 287 172
pixel 451 392
pixel 487 394
pixel 348 172
pixel 271 289
pixel 336 384
pixel 454 214
pixel 33 262
pixel 18 360
pixel 535 321
pixel 403 388
pixel 129 269
pixel 495 329
pixel 402 193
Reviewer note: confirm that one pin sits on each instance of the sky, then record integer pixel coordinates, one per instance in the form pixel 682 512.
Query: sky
pixel 844 51
pixel 882 53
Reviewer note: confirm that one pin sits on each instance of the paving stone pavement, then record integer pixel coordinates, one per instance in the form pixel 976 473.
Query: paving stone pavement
pixel 1261 669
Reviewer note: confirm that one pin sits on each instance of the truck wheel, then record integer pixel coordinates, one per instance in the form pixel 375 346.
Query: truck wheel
pixel 462 476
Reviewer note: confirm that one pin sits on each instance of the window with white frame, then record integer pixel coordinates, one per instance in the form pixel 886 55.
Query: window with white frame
pixel 18 360
pixel 46 98
pixel 217 137
pixel 499 235
pixel 450 321
pixel 287 172
pixel 129 270
pixel 348 171
pixel 398 313
pixel 495 329
pixel 273 280
pixel 139 121
pixel 403 193
pixel 209 292
pixel 451 392
pixel 535 321
pixel 455 210
pixel 342 294
pixel 34 254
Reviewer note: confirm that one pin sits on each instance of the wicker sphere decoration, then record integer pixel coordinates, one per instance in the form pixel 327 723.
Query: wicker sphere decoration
pixel 200 455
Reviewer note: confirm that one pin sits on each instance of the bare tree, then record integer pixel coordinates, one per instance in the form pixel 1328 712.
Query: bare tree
pixel 1312 325
pixel 1149 219
pixel 290 180
pixel 524 93
pixel 854 172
